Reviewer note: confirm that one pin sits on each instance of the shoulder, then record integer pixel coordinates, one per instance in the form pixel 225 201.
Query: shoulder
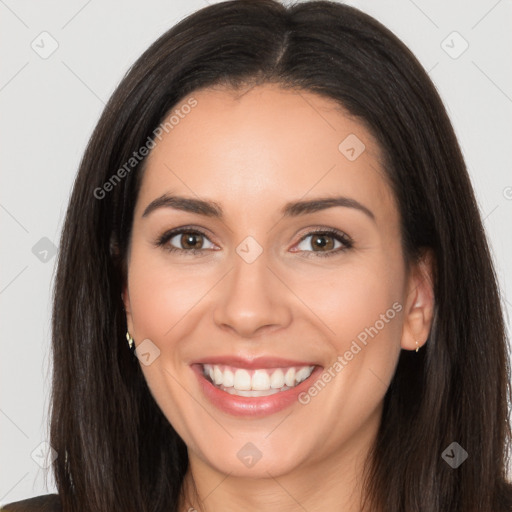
pixel 43 503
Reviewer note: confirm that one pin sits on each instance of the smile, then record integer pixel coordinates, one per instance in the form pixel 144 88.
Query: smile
pixel 255 382
pixel 253 387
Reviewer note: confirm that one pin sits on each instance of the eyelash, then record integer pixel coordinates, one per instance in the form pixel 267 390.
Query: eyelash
pixel 334 233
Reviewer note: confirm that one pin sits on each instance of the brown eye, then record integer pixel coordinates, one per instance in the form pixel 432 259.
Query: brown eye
pixel 190 240
pixel 184 241
pixel 325 243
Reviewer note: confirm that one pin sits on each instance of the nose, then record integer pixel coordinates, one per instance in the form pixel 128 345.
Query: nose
pixel 252 299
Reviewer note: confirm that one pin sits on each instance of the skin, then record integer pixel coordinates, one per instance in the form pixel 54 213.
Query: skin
pixel 251 152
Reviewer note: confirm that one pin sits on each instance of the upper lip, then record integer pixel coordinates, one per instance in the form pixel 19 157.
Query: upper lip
pixel 252 363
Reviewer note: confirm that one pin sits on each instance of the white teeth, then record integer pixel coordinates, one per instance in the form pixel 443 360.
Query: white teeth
pixel 251 392
pixel 229 378
pixel 259 382
pixel 277 379
pixel 289 378
pixel 242 380
pixel 302 374
pixel 218 377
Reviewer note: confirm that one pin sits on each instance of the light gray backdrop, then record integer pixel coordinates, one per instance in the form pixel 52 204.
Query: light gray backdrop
pixel 61 60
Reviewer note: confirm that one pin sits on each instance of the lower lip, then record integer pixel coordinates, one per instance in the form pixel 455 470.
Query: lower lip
pixel 252 406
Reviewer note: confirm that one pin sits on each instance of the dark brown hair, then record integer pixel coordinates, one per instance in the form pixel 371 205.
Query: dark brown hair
pixel 116 449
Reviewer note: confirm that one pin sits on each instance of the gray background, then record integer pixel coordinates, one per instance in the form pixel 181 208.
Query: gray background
pixel 50 104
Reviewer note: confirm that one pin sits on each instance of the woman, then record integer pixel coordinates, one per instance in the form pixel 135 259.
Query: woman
pixel 206 355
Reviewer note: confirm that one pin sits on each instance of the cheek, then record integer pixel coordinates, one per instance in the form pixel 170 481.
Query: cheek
pixel 163 293
pixel 358 307
pixel 362 310
pixel 354 299
pixel 162 300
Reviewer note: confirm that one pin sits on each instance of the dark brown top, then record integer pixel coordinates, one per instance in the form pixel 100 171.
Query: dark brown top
pixel 43 503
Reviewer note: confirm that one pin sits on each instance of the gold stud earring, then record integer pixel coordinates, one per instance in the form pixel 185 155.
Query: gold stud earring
pixel 130 340
pixel 417 347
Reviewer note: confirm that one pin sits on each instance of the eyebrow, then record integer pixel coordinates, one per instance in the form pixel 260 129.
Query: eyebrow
pixel 291 209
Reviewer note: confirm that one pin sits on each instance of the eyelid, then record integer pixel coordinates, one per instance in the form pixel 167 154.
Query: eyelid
pixel 339 235
pixel 162 240
pixel 346 241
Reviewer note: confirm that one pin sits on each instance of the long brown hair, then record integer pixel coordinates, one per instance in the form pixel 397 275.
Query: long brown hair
pixel 116 449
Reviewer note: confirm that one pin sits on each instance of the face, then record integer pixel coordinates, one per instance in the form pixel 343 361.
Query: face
pixel 270 318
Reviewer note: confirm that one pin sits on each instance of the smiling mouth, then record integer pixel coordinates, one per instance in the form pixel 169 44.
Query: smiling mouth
pixel 257 382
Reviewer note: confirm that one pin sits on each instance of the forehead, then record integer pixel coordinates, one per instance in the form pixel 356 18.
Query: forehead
pixel 264 146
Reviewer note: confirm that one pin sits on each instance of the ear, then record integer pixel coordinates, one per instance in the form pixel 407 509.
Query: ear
pixel 127 307
pixel 420 302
